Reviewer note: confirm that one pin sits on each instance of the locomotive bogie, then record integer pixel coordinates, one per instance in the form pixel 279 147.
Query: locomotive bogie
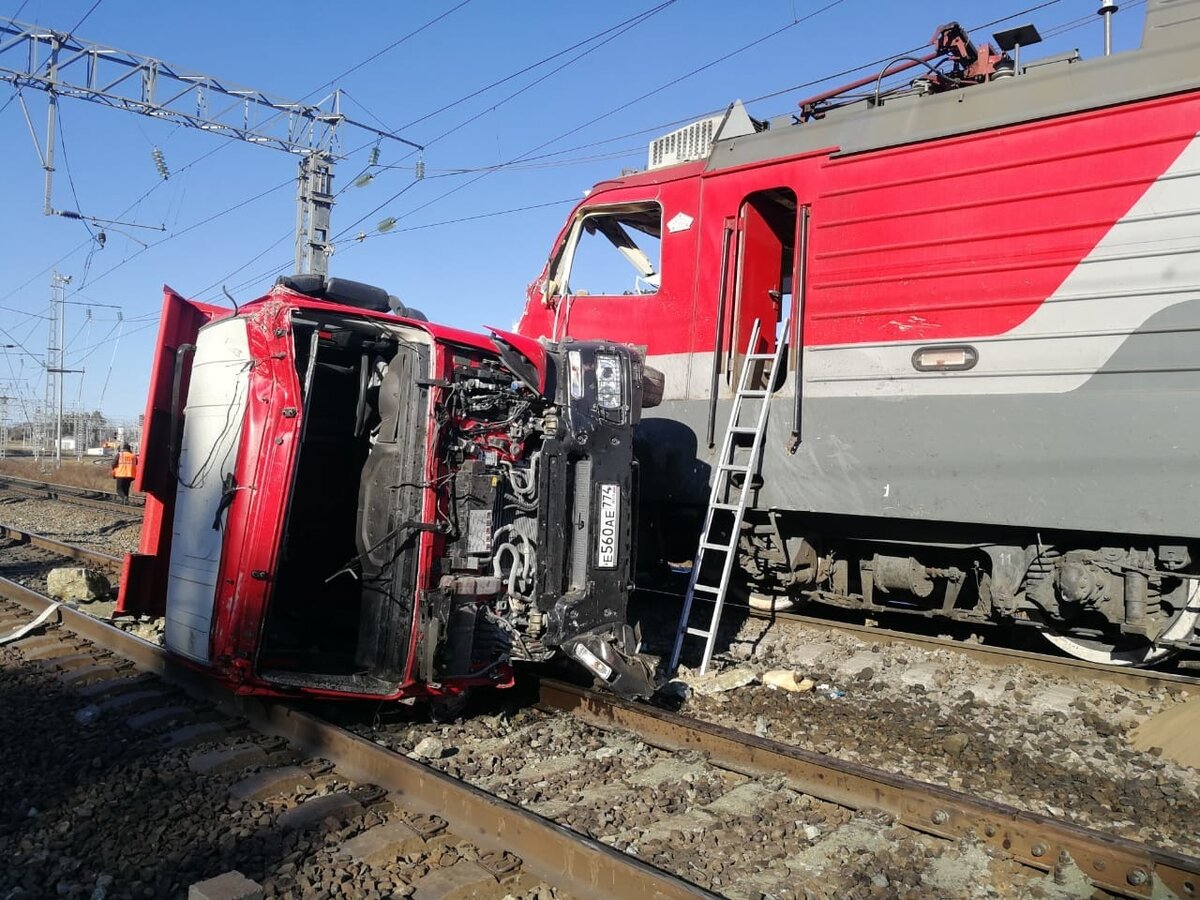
pixel 1124 597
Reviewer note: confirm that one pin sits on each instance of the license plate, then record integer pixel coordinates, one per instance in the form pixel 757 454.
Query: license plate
pixel 608 526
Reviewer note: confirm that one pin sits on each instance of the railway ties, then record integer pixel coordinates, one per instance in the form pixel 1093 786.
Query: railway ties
pixel 1069 852
pixel 741 815
pixel 149 781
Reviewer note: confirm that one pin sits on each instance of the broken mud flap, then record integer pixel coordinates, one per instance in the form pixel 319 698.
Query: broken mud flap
pixel 627 676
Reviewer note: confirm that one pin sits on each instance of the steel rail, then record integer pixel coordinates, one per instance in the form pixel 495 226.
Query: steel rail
pixel 576 863
pixel 1139 679
pixel 1113 863
pixel 68 493
pixel 1124 676
pixel 82 554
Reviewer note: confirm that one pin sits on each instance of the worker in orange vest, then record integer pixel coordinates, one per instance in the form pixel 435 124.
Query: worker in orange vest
pixel 124 468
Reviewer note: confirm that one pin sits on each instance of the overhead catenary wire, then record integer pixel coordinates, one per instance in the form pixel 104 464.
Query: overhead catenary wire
pixel 341 238
pixel 86 16
pixel 111 363
pixel 87 265
pixel 632 20
pixel 608 34
pixel 62 259
pixel 309 95
pixel 662 87
pixel 684 120
pixel 486 215
pixel 622 29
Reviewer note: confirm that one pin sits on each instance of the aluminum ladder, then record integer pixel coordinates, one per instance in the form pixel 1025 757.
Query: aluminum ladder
pixel 725 471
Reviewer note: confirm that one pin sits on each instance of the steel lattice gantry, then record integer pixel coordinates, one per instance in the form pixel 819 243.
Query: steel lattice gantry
pixel 64 66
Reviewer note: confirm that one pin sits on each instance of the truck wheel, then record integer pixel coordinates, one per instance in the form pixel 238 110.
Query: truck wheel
pixel 449 708
pixel 653 382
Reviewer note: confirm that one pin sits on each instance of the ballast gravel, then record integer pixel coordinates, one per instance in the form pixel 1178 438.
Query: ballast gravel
pixel 116 532
pixel 1009 733
pixel 97 803
pixel 739 836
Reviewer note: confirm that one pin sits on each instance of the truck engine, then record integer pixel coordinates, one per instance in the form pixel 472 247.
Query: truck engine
pixel 532 524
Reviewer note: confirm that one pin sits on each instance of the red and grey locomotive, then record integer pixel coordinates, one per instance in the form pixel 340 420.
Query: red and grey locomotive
pixel 989 282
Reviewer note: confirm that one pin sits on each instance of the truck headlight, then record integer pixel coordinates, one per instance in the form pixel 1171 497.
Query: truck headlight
pixel 575 374
pixel 608 381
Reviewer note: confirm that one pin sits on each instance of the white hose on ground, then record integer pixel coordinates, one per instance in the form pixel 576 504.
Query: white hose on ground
pixel 770 602
pixel 32 626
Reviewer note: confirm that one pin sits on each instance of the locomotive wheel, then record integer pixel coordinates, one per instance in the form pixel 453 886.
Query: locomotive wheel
pixel 1101 651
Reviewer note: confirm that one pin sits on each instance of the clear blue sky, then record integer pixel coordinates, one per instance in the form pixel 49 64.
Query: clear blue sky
pixel 465 273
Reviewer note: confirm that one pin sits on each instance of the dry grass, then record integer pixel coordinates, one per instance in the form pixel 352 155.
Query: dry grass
pixel 79 473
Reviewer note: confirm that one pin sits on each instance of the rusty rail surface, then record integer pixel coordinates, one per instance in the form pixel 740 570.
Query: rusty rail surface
pixel 578 864
pixel 82 554
pixel 1115 864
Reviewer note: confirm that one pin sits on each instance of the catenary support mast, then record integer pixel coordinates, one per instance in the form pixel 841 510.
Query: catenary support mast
pixel 64 66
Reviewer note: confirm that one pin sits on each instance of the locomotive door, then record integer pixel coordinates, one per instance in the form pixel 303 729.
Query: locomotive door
pixel 762 269
pixel 758 288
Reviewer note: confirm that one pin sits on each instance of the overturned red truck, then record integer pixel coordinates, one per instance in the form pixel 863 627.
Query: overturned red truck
pixel 345 500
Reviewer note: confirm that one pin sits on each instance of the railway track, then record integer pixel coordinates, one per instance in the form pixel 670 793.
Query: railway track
pixel 691 781
pixel 300 804
pixel 1181 675
pixel 61 549
pixel 1112 864
pixel 363 815
pixel 80 496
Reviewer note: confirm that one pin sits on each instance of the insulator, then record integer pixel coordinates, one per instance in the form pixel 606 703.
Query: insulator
pixel 387 224
pixel 374 160
pixel 160 163
pixel 419 173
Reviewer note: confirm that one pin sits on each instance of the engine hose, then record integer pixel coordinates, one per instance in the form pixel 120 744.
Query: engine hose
pixel 524 482
pixel 530 563
pixel 514 571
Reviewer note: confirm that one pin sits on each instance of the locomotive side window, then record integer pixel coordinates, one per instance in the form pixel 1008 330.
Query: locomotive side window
pixel 614 251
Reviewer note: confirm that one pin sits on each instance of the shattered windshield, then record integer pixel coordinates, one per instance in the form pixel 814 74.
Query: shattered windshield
pixel 617 252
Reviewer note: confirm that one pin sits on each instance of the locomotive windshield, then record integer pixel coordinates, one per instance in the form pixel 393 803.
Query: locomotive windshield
pixel 605 244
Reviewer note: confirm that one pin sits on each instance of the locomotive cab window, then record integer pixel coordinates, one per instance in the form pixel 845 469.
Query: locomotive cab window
pixel 613 251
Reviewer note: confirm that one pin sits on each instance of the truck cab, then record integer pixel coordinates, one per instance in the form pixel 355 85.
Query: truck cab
pixel 345 500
